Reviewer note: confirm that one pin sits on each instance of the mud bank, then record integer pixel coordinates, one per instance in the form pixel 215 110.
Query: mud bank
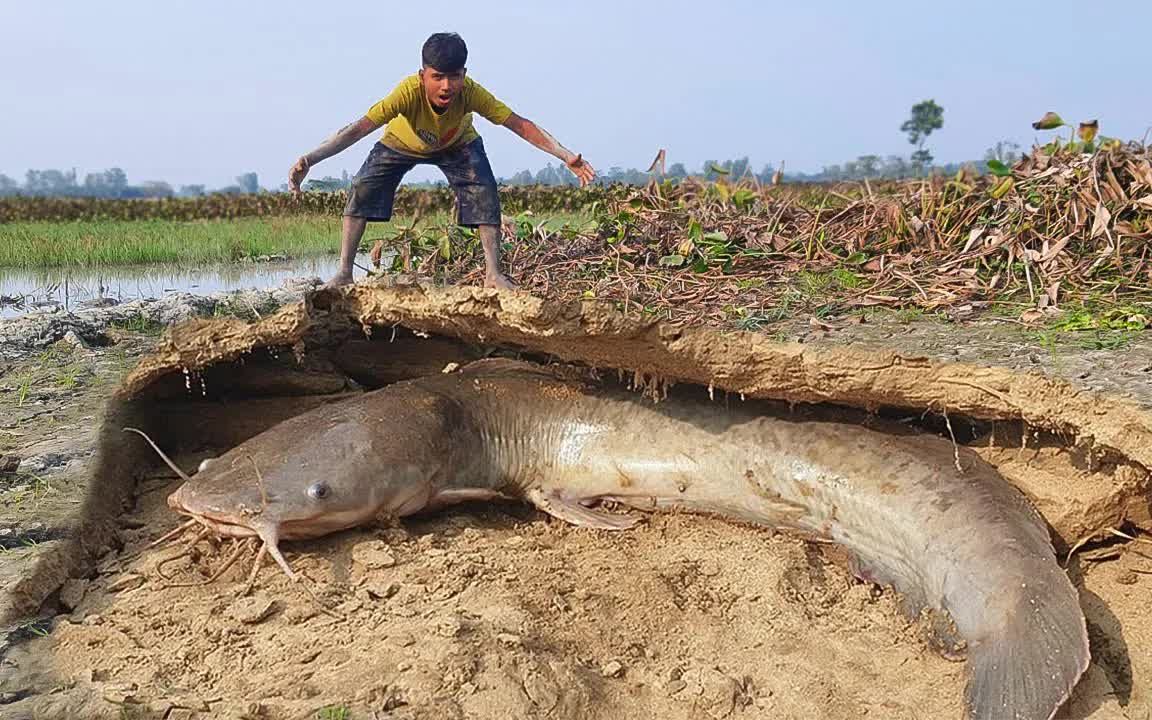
pixel 86 327
pixel 492 611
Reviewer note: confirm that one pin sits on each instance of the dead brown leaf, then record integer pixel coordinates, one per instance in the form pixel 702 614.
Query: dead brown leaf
pixel 377 250
pixel 1100 224
pixel 1032 316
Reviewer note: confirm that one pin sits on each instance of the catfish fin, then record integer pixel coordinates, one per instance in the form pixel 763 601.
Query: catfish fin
pixel 1027 662
pixel 444 498
pixel 572 511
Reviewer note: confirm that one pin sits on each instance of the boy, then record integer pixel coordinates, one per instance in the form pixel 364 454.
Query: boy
pixel 429 118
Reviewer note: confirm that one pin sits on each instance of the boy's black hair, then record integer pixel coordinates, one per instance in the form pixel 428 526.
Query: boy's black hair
pixel 445 52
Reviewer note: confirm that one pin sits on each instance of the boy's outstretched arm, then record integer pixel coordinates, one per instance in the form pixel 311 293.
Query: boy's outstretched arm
pixel 344 138
pixel 536 135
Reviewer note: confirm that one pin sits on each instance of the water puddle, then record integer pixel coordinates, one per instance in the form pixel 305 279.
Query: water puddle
pixel 23 291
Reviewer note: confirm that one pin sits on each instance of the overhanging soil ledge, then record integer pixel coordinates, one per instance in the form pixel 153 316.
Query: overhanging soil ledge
pixel 1097 430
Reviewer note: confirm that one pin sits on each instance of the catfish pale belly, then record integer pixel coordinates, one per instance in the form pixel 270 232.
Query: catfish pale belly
pixel 962 542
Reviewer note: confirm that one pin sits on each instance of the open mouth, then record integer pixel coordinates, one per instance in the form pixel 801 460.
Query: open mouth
pixel 221 526
pixel 268 533
pixel 297 529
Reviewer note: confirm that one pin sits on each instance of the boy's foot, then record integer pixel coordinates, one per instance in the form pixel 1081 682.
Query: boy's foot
pixel 498 281
pixel 339 279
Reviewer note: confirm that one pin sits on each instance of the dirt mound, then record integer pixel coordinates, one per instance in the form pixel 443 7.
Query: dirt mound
pixel 492 611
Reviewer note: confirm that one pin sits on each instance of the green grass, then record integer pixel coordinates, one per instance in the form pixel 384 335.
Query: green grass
pixel 111 242
pixel 910 314
pixel 57 244
pixel 140 324
pixel 1095 325
pixel 334 712
pixel 817 286
pixel 38 488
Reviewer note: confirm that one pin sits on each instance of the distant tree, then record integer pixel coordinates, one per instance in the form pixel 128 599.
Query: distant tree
pixel 8 186
pixel 926 117
pixel 833 172
pixel 51 182
pixel 191 191
pixel 95 185
pixel 868 165
pixel 116 180
pixel 524 177
pixel 896 166
pixel 324 184
pixel 677 171
pixel 1005 151
pixel 550 176
pixel 156 188
pixel 248 183
pixel 737 168
pixel 921 160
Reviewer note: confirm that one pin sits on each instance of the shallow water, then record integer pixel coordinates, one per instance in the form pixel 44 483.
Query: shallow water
pixel 22 291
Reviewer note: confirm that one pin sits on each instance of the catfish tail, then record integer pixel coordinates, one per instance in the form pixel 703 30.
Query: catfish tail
pixel 1025 664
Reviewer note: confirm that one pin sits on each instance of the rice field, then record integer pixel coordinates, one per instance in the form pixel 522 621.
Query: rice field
pixel 134 242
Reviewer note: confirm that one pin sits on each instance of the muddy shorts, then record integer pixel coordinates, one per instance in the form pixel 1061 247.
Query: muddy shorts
pixel 466 167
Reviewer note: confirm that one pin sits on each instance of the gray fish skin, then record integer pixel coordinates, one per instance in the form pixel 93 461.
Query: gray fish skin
pixel 965 543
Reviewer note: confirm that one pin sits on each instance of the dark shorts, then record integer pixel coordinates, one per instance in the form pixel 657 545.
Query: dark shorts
pixel 466 167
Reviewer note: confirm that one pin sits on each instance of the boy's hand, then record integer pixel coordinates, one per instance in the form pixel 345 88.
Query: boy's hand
pixel 581 169
pixel 297 174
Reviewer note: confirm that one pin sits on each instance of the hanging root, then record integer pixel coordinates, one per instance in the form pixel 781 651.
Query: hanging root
pixel 1078 544
pixel 1144 555
pixel 1117 533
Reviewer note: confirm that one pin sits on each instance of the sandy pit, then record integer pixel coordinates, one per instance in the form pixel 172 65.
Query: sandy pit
pixel 492 610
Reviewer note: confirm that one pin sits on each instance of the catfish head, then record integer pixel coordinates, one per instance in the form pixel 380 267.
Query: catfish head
pixel 335 467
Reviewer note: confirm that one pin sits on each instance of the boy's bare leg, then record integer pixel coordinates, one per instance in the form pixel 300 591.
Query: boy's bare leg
pixel 490 239
pixel 350 241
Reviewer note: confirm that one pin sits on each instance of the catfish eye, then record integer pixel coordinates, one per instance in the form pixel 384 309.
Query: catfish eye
pixel 318 491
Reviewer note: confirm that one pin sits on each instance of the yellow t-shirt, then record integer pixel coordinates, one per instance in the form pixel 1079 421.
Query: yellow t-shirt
pixel 415 128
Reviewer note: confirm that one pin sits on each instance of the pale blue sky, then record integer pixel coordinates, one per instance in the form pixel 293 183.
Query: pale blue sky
pixel 198 92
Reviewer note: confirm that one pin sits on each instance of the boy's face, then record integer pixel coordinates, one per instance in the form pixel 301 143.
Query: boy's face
pixel 441 87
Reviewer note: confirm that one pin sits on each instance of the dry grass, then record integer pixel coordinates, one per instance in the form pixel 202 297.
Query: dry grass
pixel 1063 227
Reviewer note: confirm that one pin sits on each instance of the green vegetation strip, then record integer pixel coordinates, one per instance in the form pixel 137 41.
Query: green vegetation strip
pixel 56 244
pixel 112 242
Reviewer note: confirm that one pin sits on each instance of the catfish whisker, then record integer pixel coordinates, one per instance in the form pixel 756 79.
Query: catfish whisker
pixel 316 599
pixel 171 534
pixel 260 555
pixel 187 551
pixel 241 546
pixel 165 458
